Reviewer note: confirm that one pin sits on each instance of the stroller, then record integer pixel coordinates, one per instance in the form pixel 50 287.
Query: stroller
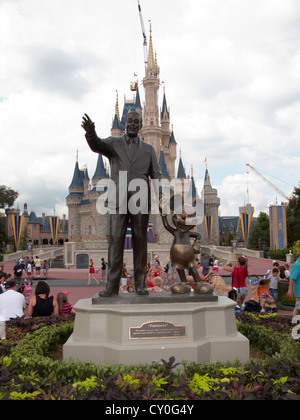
pixel 253 304
pixel 26 290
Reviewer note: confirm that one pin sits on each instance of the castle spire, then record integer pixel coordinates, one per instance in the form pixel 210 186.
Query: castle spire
pixel 77 175
pixel 165 114
pixel 116 125
pixel 151 62
pixel 117 107
pixel 101 171
pixel 163 166
pixel 181 172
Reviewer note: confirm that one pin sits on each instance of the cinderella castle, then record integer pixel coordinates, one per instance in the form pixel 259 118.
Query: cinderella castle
pixel 88 230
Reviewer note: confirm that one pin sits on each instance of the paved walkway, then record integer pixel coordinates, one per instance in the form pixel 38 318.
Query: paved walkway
pixel 75 280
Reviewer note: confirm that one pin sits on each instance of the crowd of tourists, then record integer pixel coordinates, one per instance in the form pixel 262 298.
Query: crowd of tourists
pixel 13 288
pixel 42 303
pixel 160 278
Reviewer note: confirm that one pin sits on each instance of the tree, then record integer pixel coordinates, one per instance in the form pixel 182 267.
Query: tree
pixel 7 196
pixel 293 217
pixel 260 235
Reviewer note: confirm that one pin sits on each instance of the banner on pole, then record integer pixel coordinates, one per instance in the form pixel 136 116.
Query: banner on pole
pixel 54 223
pixel 278 230
pixel 208 226
pixel 245 223
pixel 17 223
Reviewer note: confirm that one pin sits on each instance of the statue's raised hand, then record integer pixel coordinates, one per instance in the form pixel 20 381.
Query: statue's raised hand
pixel 87 124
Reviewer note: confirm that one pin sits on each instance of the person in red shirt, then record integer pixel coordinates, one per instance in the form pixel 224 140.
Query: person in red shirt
pixel 91 273
pixel 239 275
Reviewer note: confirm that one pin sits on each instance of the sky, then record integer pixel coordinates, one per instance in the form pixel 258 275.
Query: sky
pixel 231 71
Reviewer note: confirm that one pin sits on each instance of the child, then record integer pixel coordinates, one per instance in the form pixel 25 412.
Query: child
pixel 264 296
pixel 64 307
pixel 190 280
pixel 45 268
pixel 157 285
pixel 220 288
pixel 287 271
pixel 274 277
pixel 29 269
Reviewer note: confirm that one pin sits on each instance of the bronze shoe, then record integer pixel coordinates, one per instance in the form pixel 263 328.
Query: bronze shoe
pixel 201 288
pixel 108 293
pixel 181 288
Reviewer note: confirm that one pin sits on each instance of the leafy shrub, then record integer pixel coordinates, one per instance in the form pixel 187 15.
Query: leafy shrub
pixel 29 373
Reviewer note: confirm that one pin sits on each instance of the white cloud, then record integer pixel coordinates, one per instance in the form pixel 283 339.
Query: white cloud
pixel 231 71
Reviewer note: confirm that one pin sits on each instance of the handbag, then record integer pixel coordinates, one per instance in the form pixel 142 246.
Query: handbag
pixel 233 293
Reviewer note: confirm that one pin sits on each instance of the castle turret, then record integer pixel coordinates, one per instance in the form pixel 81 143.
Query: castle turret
pixel 181 172
pixel 138 106
pixel 100 172
pixel 85 181
pixel 163 166
pixel 192 187
pixel 116 130
pixel 74 199
pixel 211 212
pixel 151 131
pixel 168 141
pixel 165 117
pixel 172 153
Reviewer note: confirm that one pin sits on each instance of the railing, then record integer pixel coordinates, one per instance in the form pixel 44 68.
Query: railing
pixel 46 254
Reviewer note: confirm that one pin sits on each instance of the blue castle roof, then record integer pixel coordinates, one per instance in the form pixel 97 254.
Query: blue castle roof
pixel 77 177
pixel 181 172
pixel 163 166
pixel 100 169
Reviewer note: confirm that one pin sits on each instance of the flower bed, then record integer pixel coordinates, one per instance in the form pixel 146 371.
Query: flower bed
pixel 283 287
pixel 27 370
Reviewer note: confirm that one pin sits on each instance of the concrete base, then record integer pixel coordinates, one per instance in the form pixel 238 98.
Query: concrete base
pixel 142 333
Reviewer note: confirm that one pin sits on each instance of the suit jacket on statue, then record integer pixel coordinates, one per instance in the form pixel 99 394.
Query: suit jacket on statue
pixel 141 164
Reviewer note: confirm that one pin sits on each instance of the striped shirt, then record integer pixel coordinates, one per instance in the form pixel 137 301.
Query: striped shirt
pixel 67 308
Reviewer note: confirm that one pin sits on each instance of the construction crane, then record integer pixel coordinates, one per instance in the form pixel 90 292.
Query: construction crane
pixel 144 34
pixel 269 182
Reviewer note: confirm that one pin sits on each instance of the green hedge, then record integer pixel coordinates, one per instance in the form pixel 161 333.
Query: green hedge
pixel 32 355
pixel 30 373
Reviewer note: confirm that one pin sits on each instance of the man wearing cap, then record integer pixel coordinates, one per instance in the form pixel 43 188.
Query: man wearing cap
pixel 12 303
pixel 18 271
pixel 294 284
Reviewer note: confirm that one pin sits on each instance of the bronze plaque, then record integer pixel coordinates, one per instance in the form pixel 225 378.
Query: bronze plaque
pixel 157 329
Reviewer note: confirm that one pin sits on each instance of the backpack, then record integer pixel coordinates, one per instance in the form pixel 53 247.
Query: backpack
pixel 252 306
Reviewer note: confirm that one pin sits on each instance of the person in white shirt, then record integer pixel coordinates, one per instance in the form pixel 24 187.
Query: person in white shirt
pixel 287 271
pixel 12 303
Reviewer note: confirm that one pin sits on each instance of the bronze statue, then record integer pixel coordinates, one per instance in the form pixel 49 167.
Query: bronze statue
pixel 130 154
pixel 182 252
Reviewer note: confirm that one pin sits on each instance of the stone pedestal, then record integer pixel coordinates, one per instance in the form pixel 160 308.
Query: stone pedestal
pixel 132 333
pixel 290 259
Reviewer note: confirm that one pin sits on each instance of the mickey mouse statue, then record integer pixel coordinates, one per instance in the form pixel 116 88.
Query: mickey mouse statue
pixel 183 252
